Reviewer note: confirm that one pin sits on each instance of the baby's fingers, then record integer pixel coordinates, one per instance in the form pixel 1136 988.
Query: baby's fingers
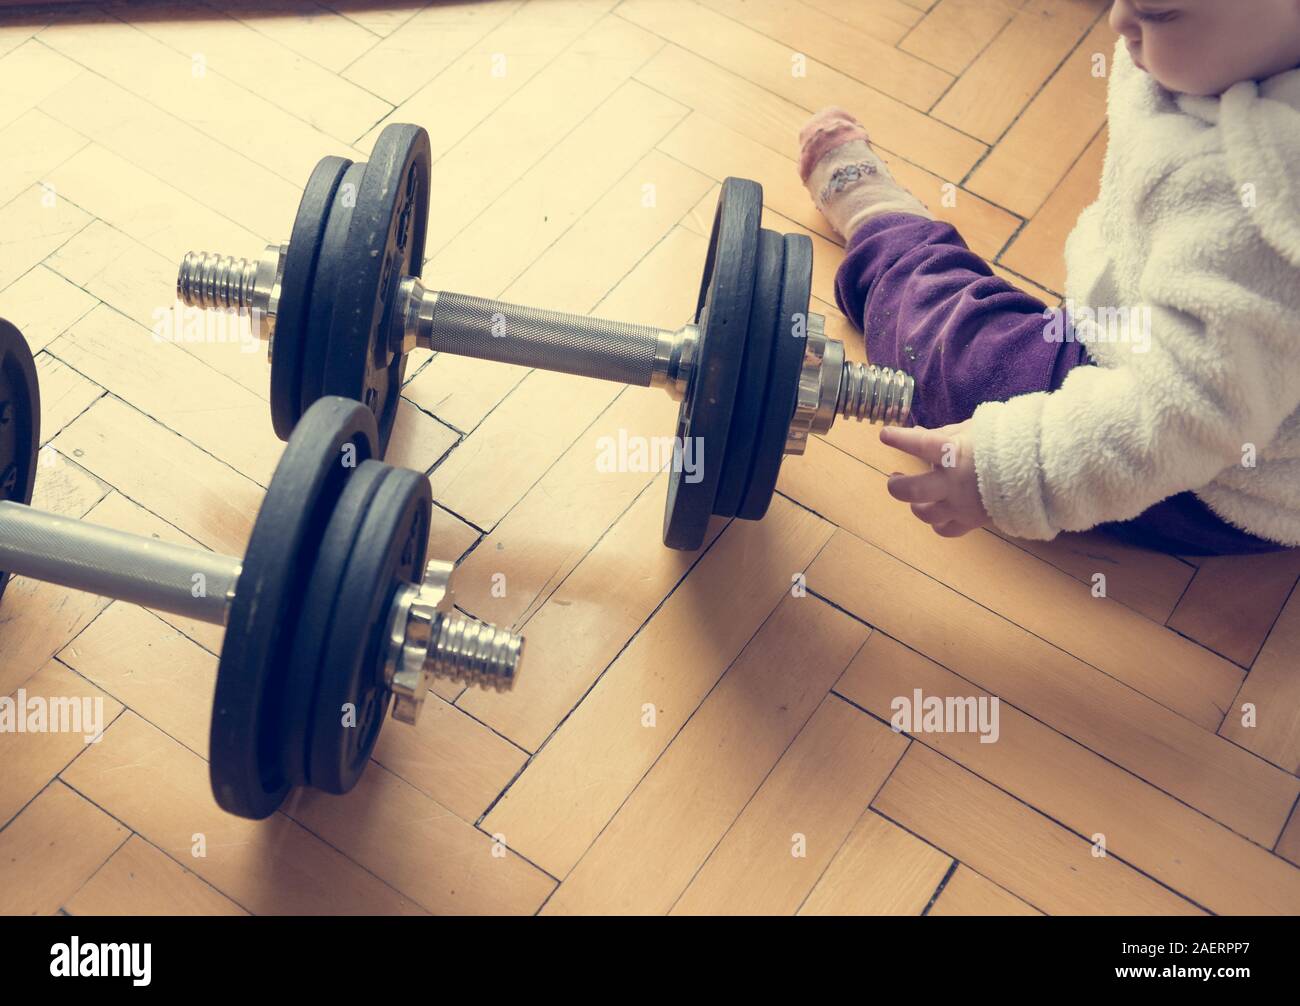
pixel 928 445
pixel 929 487
pixel 933 514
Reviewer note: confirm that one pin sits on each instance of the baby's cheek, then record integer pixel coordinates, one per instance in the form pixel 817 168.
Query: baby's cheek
pixel 1192 63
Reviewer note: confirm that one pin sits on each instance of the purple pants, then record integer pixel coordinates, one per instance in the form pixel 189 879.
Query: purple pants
pixel 931 307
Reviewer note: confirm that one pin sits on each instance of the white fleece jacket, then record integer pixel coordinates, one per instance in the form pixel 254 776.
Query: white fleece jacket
pixel 1199 222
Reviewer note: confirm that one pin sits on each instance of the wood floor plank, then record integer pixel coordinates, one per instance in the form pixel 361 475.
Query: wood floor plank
pixel 1232 602
pixel 65 394
pixel 673 818
pixel 967 893
pixel 1149 830
pixel 38 620
pixel 887 19
pixel 151 668
pixel 450 757
pixel 28 73
pixel 140 283
pixel 1039 250
pixel 42 304
pixel 51 849
pixel 472 87
pixel 213 504
pixel 1288 846
pixel 162 217
pixel 880 870
pixel 193 163
pixel 328 101
pixel 36 222
pixel 1272 691
pixel 534 426
pixel 798 820
pixel 508 238
pixel 163 381
pixel 32 760
pixel 422 849
pixel 956 31
pixel 1009 581
pixel 17 29
pixel 766 63
pixel 597 756
pixel 586 621
pixel 1149 582
pixel 1028 854
pixel 311 29
pixel 1038 151
pixel 994 90
pixel 30 146
pixel 425 45
pixel 858 54
pixel 501 149
pixel 1189 762
pixel 561 517
pixel 1020 283
pixel 611 257
pixel 379 21
pixel 160 789
pixel 419 442
pixel 726 97
pixel 537 545
pixel 183 85
pixel 138 879
pixel 460 390
pixel 578 148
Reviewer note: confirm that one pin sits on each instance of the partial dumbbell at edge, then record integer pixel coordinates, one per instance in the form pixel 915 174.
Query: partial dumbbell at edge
pixel 333 617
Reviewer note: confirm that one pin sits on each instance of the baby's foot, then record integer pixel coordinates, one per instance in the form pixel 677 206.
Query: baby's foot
pixel 848 182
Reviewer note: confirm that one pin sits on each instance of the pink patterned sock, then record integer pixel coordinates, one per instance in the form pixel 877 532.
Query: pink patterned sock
pixel 848 182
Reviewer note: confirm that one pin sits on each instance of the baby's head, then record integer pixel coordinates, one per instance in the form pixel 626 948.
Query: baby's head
pixel 1203 47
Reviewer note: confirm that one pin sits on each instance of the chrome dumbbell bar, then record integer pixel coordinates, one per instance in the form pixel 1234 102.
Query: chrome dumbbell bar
pixel 426 639
pixel 641 355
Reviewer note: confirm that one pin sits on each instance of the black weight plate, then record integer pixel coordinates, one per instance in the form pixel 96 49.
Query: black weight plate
pixel 291 319
pixel 782 378
pixel 246 758
pixel 20 421
pixel 704 418
pixel 318 613
pixel 385 243
pixel 752 392
pixel 324 287
pixel 390 549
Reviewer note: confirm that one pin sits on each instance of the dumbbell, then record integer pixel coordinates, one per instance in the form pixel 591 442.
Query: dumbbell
pixel 341 304
pixel 332 617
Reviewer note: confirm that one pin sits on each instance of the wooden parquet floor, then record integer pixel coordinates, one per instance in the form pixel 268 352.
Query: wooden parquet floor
pixel 690 735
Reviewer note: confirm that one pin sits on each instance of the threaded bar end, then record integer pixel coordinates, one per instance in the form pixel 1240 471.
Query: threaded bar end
pixel 475 653
pixel 207 280
pixel 875 394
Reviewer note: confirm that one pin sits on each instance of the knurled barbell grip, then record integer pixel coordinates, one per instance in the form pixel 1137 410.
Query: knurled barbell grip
pixel 99 560
pixel 550 340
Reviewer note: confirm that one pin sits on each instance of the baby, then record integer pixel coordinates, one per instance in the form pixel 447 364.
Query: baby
pixel 1178 430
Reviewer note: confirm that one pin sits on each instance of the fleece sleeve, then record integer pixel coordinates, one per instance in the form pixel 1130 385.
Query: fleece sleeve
pixel 1221 371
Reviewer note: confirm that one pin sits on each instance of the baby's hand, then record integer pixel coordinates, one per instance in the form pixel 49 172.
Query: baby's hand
pixel 948 496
